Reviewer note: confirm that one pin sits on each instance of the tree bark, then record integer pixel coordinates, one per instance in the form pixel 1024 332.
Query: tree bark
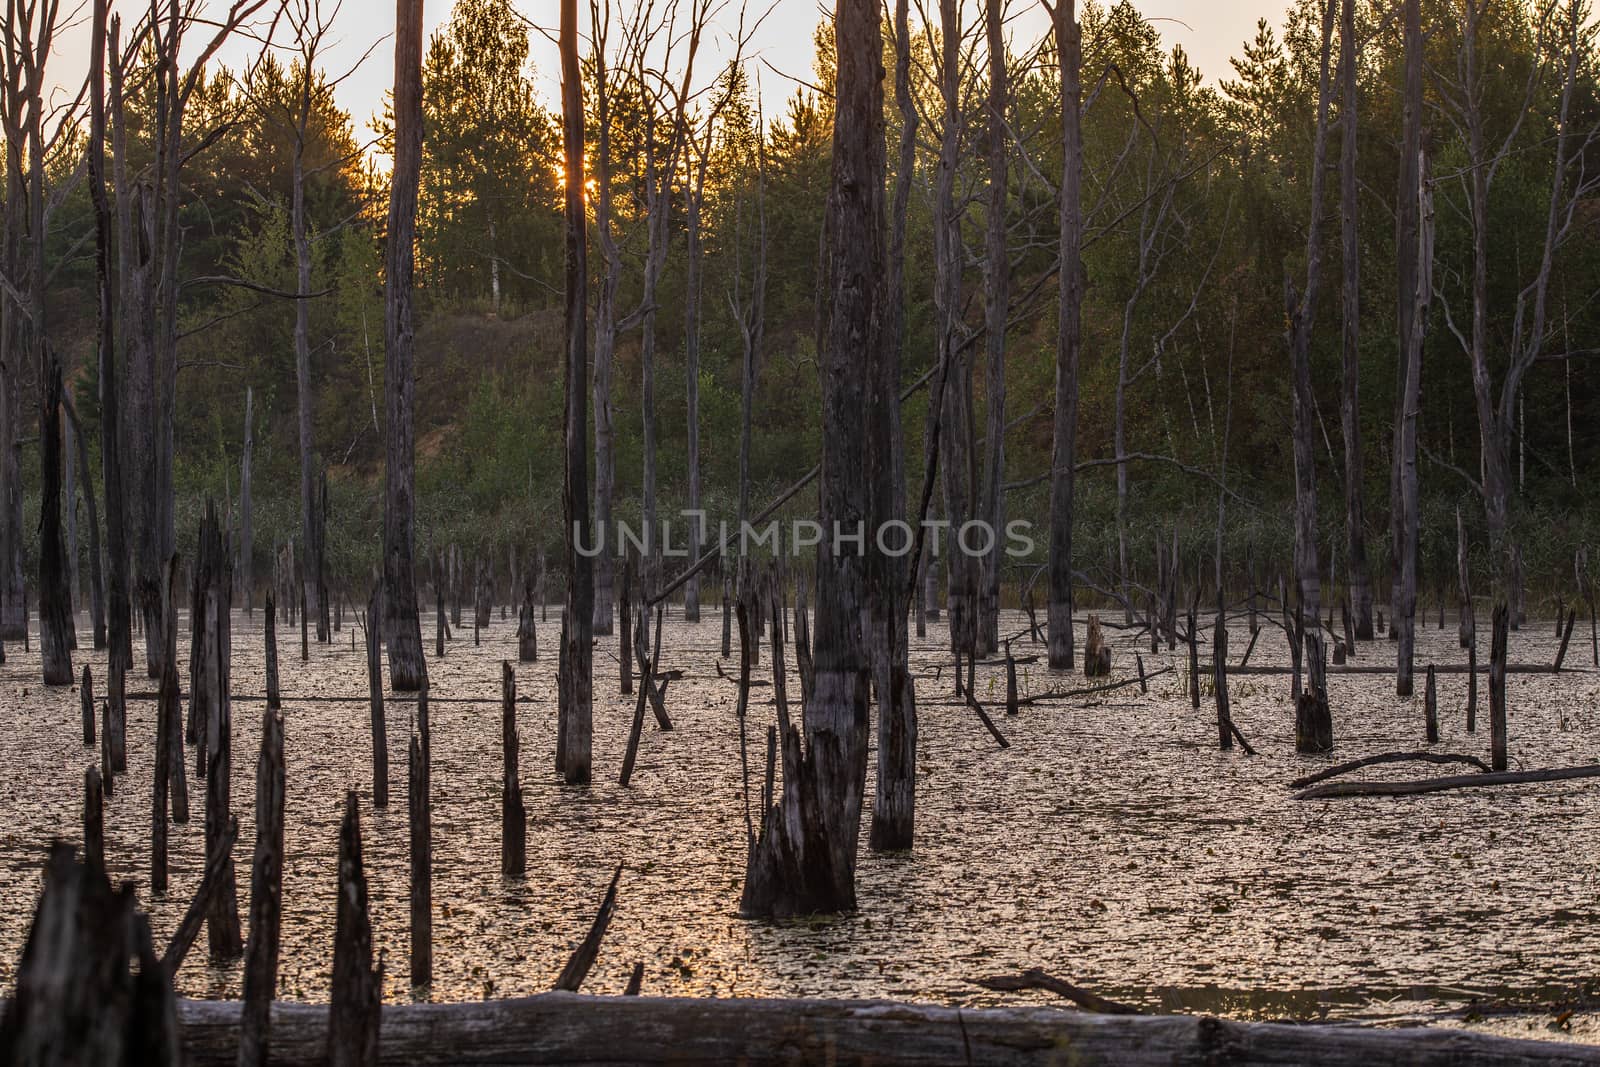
pixel 577 660
pixel 1302 316
pixel 996 267
pixel 408 670
pixel 894 809
pixel 957 461
pixel 804 861
pixel 1359 574
pixel 55 598
pixel 1413 281
pixel 97 588
pixel 1063 455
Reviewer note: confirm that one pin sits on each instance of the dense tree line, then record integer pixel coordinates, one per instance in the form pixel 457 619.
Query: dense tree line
pixel 1196 217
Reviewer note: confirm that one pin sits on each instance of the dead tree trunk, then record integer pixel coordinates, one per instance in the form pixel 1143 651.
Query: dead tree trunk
pixel 605 341
pixel 894 809
pixel 97 587
pixel 408 670
pixel 1497 689
pixel 805 861
pixel 996 267
pixel 1063 452
pixel 247 533
pixel 1355 515
pixel 356 997
pixel 577 665
pixel 952 401
pixel 55 598
pixel 513 813
pixel 1414 282
pixel 266 874
pixel 1302 315
pixel 214 596
pixel 419 796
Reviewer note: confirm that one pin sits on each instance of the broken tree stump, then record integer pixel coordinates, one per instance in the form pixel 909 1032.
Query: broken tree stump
pixel 1430 707
pixel 419 808
pixel 356 998
pixel 380 734
pixel 1096 652
pixel 513 812
pixel 1313 721
pixel 1497 689
pixel 266 872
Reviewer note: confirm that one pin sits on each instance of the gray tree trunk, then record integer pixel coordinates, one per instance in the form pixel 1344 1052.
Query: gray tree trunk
pixel 1412 278
pixel 246 519
pixel 894 808
pixel 408 671
pixel 1359 573
pixel 957 462
pixel 605 340
pixel 997 279
pixel 1068 341
pixel 1302 315
pixel 577 654
pixel 805 859
pixel 119 621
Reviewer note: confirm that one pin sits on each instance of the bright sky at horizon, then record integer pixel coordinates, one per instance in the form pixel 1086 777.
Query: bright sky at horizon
pixel 1210 31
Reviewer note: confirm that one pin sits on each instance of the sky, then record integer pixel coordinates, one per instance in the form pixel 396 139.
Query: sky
pixel 1210 31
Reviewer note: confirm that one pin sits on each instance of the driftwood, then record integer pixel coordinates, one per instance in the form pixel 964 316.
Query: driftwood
pixel 1033 978
pixel 1385 757
pixel 583 957
pixel 219 867
pixel 567 1028
pixel 1439 785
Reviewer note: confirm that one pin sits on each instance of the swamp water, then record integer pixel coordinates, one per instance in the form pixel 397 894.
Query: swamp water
pixel 1111 844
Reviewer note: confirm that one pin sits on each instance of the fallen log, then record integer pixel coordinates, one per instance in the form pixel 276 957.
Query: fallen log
pixel 572 1028
pixel 1439 785
pixel 1386 757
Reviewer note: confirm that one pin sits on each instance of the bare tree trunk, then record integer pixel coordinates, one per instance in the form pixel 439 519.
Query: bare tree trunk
pixel 577 661
pixel 693 196
pixel 97 589
pixel 246 521
pixel 605 340
pixel 119 621
pixel 805 859
pixel 1359 574
pixel 1068 340
pixel 408 671
pixel 1413 282
pixel 996 295
pixel 894 809
pixel 305 397
pixel 1302 313
pixel 957 463
pixel 55 599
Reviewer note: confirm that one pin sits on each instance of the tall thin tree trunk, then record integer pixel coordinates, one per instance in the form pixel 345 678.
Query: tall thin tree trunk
pixel 805 859
pixel 605 340
pixel 957 463
pixel 1412 282
pixel 246 518
pixel 55 600
pixel 577 654
pixel 97 589
pixel 894 810
pixel 1359 574
pixel 1302 313
pixel 996 297
pixel 305 396
pixel 693 197
pixel 1068 340
pixel 408 670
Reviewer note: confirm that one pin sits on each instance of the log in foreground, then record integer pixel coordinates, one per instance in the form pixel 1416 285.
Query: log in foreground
pixel 574 1028
pixel 1439 785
